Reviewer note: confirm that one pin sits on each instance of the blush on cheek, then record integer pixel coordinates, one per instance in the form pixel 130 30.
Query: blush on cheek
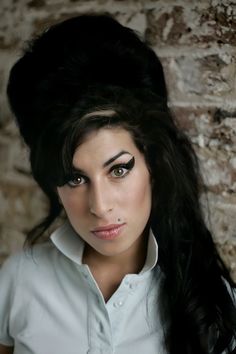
pixel 75 206
pixel 139 194
pixel 68 201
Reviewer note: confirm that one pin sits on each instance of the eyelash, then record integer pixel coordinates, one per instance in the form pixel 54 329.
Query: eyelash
pixel 71 182
pixel 127 166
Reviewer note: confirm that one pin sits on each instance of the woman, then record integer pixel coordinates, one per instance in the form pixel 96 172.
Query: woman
pixel 134 268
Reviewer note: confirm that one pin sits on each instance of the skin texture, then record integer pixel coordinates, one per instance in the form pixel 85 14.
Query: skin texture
pixel 103 195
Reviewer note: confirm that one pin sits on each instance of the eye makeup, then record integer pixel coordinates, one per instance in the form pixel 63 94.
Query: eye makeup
pixel 76 180
pixel 78 177
pixel 127 166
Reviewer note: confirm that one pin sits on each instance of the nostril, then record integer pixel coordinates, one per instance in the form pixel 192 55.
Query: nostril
pixel 99 212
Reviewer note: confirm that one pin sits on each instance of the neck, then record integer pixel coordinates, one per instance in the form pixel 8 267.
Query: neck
pixel 130 261
pixel 109 271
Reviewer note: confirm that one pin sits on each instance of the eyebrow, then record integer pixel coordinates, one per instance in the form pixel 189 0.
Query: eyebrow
pixel 108 162
pixel 105 164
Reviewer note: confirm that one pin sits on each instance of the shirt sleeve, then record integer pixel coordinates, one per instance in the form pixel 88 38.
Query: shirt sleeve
pixel 8 276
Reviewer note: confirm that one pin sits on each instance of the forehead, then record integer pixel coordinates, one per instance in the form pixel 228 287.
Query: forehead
pixel 104 143
pixel 106 138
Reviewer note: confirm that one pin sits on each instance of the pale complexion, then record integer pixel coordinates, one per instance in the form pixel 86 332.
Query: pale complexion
pixel 101 198
pixel 111 185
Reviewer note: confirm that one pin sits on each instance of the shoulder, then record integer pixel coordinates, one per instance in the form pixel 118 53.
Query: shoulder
pixel 8 279
pixel 26 261
pixel 22 273
pixel 28 254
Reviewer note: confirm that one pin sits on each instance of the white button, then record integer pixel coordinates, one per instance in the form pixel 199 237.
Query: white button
pixel 133 286
pixel 118 303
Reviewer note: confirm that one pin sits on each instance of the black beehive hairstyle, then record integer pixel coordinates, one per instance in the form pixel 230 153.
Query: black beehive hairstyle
pixel 57 68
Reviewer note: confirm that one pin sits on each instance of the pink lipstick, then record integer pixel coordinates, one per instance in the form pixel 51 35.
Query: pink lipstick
pixel 109 232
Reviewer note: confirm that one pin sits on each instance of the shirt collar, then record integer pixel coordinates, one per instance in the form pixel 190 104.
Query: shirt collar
pixel 68 242
pixel 152 253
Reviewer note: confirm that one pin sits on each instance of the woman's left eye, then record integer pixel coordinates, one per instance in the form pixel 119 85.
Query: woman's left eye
pixel 119 172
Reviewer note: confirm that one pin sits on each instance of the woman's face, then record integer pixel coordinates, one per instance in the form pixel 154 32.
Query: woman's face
pixel 108 198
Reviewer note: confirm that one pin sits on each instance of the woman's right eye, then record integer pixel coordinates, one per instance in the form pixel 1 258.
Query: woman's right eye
pixel 76 181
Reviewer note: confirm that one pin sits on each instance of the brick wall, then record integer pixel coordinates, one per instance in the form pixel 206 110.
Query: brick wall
pixel 196 42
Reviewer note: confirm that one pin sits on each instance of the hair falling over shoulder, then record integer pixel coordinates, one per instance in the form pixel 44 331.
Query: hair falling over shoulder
pixel 91 62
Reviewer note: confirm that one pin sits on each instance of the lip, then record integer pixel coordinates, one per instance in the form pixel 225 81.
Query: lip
pixel 108 232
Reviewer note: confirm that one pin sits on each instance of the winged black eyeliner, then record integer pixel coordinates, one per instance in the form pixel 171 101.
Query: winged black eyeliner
pixel 129 165
pixel 123 152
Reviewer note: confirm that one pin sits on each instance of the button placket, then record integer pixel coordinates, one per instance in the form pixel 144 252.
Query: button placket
pixel 100 335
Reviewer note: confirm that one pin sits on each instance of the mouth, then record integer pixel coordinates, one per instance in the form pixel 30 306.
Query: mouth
pixel 108 232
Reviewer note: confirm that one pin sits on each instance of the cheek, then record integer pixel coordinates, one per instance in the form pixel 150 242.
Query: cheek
pixel 139 193
pixel 144 194
pixel 71 202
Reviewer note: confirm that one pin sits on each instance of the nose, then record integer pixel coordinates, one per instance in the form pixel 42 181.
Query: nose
pixel 100 200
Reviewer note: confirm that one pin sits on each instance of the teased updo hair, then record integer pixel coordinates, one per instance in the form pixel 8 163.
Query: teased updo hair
pixel 59 66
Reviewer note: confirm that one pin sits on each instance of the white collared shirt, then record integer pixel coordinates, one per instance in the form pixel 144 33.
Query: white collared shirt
pixel 50 303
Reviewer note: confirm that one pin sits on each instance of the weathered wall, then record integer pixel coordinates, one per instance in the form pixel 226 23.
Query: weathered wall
pixel 196 41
